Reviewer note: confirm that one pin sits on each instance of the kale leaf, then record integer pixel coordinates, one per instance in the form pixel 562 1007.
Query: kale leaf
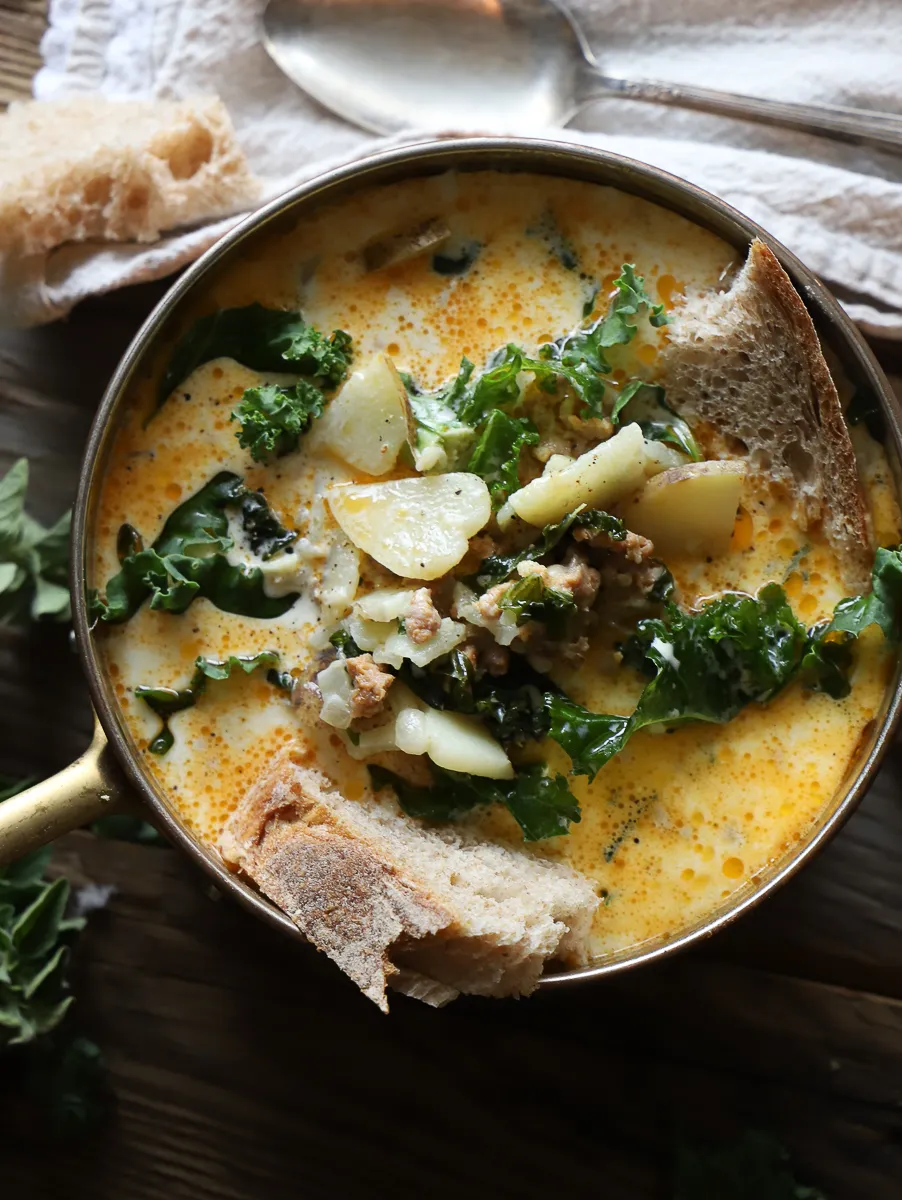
pixel 591 739
pixel 497 453
pixel 498 567
pixel 33 560
pixel 265 532
pixel 580 356
pixel 542 804
pixel 187 561
pixel 881 606
pixel 708 665
pixel 704 666
pixel 456 263
pixel 657 420
pixel 263 339
pixel 531 599
pixel 454 415
pixel 166 701
pixel 273 417
pixel 828 658
pixel 514 707
pixel 737 650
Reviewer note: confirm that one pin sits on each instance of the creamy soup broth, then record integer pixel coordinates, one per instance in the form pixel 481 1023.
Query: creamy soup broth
pixel 679 820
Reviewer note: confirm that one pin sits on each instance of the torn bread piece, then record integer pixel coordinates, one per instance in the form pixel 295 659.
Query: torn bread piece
pixel 434 911
pixel 89 168
pixel 748 361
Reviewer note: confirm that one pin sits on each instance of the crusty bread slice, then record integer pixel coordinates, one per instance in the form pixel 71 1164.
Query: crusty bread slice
pixel 433 911
pixel 748 361
pixel 119 170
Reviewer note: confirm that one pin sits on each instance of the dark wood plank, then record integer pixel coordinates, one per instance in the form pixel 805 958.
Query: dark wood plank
pixel 244 1066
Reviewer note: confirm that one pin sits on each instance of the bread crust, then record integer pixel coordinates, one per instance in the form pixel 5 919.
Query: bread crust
pixel 432 913
pixel 88 168
pixel 749 362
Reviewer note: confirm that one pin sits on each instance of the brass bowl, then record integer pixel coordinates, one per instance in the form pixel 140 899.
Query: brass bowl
pixel 112 771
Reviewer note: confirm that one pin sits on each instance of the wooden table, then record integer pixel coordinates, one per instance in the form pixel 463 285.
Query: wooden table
pixel 247 1068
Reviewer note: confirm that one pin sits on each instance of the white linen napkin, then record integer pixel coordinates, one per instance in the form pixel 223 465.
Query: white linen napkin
pixel 838 207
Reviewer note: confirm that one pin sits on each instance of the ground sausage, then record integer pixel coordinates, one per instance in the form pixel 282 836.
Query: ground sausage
pixel 370 683
pixel 573 575
pixel 634 547
pixel 422 619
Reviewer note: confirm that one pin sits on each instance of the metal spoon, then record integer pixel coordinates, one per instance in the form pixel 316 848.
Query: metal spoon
pixel 390 65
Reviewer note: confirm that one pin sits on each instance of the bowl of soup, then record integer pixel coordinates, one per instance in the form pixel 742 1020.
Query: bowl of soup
pixel 405 481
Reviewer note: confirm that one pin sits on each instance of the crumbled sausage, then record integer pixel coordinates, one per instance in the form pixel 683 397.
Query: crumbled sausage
pixel 634 547
pixel 488 605
pixel 496 659
pixel 370 684
pixel 482 546
pixel 422 620
pixel 573 575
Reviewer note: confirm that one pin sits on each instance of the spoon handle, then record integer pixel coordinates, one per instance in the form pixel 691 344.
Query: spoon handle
pixel 860 125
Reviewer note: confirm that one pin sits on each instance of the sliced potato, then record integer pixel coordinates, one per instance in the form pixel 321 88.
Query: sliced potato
pixel 368 421
pixel 597 478
pixel 452 741
pixel 460 743
pixel 418 528
pixel 689 509
pixel 384 604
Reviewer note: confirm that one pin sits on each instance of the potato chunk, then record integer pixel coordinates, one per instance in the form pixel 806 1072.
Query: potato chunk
pixel 597 478
pixel 418 528
pixel 367 423
pixel 688 510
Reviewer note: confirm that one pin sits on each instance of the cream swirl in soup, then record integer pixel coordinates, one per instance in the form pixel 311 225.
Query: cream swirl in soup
pixel 380 597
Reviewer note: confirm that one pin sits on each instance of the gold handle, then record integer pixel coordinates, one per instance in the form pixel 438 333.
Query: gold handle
pixel 90 788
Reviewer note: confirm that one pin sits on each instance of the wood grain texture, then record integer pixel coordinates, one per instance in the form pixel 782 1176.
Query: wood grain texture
pixel 244 1066
pixel 22 23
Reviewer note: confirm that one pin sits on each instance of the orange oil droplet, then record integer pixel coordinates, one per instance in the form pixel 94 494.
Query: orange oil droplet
pixel 733 868
pixel 743 531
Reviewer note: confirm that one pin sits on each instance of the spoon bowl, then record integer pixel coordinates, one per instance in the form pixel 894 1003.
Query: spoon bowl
pixel 499 65
pixel 388 65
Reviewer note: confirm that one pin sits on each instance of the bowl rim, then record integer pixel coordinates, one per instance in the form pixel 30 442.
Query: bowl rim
pixel 430 157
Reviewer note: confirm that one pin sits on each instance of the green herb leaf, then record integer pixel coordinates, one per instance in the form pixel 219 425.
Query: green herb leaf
pixel 530 599
pixel 495 387
pixel 272 417
pixel 456 262
pixel 828 658
pixel 263 339
pixel 657 420
pixel 579 357
pixel 186 562
pixel 34 940
pixel 323 359
pixel 542 805
pixel 709 665
pixel 265 532
pixel 881 606
pixel 167 701
pixel 498 567
pixel 591 739
pixel 344 644
pixel 497 453
pixel 33 559
pixel 705 666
